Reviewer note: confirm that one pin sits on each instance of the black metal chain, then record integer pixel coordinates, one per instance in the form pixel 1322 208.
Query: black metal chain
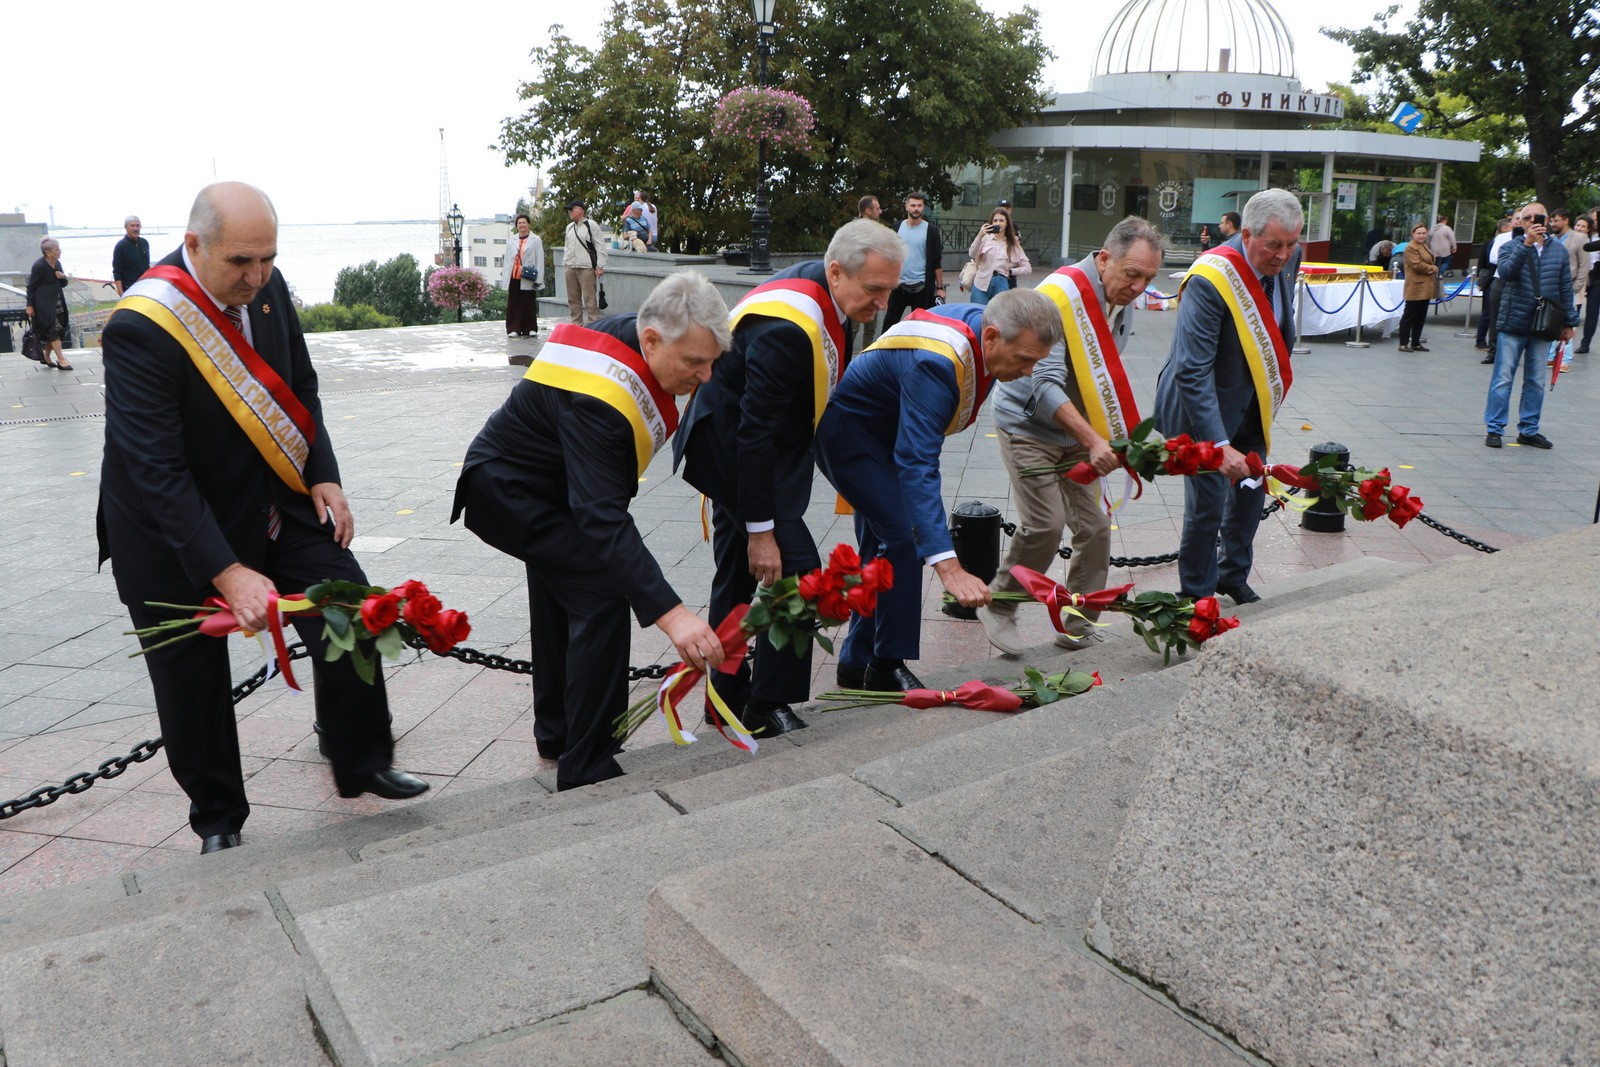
pixel 145 749
pixel 1470 542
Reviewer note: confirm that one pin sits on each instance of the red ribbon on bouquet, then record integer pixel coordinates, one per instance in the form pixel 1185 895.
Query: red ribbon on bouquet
pixel 223 621
pixel 681 679
pixel 1056 596
pixel 973 694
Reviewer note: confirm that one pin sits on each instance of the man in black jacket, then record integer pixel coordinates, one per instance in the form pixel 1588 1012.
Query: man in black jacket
pixel 131 258
pixel 922 273
pixel 548 480
pixel 219 479
pixel 746 441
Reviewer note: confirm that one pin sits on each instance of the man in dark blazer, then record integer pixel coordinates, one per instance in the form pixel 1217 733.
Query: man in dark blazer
pixel 746 444
pixel 1207 391
pixel 191 507
pixel 548 480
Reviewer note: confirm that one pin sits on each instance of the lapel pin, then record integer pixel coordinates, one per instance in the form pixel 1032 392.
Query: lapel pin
pixel 266 309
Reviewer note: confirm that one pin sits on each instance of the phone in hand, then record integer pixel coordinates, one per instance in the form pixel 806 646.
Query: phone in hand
pixel 993 227
pixel 1538 220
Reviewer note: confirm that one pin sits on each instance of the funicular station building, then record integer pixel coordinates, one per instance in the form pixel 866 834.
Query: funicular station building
pixel 1192 107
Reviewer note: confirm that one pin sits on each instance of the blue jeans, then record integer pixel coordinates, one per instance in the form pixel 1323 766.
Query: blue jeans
pixel 1510 350
pixel 998 284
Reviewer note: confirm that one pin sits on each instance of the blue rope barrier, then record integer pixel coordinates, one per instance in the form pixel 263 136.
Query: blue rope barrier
pixel 1379 303
pixel 1465 282
pixel 1317 304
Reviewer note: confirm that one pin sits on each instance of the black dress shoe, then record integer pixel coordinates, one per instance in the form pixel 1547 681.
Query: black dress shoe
pixel 771 721
pixel 390 785
pixel 1534 440
pixel 850 677
pixel 1486 360
pixel 549 749
pixel 1240 594
pixel 218 842
pixel 893 679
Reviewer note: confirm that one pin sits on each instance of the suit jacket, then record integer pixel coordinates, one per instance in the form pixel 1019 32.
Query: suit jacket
pixel 1205 389
pixel 1028 405
pixel 532 261
pixel 897 402
pixel 560 469
pixel 745 440
pixel 183 492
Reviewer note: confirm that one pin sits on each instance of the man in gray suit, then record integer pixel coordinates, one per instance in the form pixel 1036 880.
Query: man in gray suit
pixel 1044 420
pixel 1207 390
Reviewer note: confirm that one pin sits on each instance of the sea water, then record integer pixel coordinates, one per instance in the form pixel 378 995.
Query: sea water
pixel 310 256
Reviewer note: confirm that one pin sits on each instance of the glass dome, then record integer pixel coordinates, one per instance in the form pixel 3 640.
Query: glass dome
pixel 1167 36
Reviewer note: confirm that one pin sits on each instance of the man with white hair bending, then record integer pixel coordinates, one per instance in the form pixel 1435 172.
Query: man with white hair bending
pixel 548 480
pixel 1225 378
pixel 747 441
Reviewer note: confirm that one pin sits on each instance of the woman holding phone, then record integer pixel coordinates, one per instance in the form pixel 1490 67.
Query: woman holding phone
pixel 997 252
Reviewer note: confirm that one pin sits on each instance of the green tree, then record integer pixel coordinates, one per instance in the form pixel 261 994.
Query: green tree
pixel 1466 62
pixel 393 289
pixel 894 111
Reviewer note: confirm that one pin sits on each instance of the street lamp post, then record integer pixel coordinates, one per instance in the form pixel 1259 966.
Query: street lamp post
pixel 761 218
pixel 457 222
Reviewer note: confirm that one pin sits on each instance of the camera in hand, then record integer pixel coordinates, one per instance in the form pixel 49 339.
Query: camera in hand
pixel 993 227
pixel 1538 220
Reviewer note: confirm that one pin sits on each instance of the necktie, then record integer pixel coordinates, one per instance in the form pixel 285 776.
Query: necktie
pixel 235 313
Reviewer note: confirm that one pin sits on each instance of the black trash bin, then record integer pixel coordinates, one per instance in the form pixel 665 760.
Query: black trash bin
pixel 975 529
pixel 1324 516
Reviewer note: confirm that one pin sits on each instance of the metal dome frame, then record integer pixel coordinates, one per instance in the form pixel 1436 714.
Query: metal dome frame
pixel 1156 37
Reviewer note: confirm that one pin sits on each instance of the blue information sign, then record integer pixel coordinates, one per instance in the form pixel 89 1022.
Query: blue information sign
pixel 1407 117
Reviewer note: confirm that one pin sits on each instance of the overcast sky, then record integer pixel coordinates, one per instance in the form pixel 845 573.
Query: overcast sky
pixel 334 108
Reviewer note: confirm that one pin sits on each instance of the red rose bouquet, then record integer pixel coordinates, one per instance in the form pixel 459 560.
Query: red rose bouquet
pixel 1035 691
pixel 1360 493
pixel 352 614
pixel 791 612
pixel 1147 452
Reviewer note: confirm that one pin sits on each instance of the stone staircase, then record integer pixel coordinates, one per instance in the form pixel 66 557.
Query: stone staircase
pixel 887 886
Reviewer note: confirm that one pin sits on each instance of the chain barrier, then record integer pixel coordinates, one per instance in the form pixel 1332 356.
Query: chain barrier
pixel 111 768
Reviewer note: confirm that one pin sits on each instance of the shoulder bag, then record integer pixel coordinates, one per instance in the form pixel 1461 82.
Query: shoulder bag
pixel 594 264
pixel 1549 318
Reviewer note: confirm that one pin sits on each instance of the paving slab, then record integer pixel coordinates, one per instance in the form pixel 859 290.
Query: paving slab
pixel 634 1030
pixel 220 982
pixel 1039 837
pixel 857 947
pixel 1372 835
pixel 548 934
pixel 1104 711
pixel 399 869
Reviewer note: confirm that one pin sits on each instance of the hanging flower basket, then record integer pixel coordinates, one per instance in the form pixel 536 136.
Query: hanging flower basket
pixel 750 113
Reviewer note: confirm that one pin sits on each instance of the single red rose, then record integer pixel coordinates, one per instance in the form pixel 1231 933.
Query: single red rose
pixel 445 630
pixel 844 558
pixel 420 610
pixel 813 585
pixel 1179 443
pixel 1397 493
pixel 1206 608
pixel 1373 509
pixel 1230 623
pixel 862 600
pixel 1096 677
pixel 409 588
pixel 378 613
pixel 1372 491
pixel 1208 457
pixel 1405 511
pixel 1184 458
pixel 832 605
pixel 1382 476
pixel 878 574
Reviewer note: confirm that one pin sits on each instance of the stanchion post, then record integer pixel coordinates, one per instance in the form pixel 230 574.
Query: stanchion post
pixel 975 532
pixel 1472 291
pixel 1324 516
pixel 1361 313
pixel 1300 316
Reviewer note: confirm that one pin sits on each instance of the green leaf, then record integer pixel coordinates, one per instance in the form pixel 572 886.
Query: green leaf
pixel 345 639
pixel 779 635
pixel 390 644
pixel 826 642
pixel 336 620
pixel 365 665
pixel 759 617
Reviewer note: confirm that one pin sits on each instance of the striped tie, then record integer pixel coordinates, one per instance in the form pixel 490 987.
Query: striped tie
pixel 235 313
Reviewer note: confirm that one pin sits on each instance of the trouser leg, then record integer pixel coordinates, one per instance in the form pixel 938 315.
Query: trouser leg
pixel 1041 512
pixel 548 623
pixel 596 667
pixel 573 277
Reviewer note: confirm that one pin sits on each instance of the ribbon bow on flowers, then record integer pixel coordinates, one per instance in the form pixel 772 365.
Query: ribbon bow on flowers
pixel 350 612
pixel 791 613
pixel 1360 493
pixel 1167 622
pixel 1037 690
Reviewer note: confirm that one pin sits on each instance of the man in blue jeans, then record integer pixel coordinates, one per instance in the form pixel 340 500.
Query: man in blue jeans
pixel 1532 267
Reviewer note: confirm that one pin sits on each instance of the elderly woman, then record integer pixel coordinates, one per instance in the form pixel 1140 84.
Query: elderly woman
pixel 47 302
pixel 1422 275
pixel 522 277
pixel 997 251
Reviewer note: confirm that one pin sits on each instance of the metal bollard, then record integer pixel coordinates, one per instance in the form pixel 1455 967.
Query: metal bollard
pixel 1300 318
pixel 975 529
pixel 1361 313
pixel 1324 516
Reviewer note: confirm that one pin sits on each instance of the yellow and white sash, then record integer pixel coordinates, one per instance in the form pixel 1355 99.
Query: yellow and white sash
pixel 1096 365
pixel 1265 352
pixel 580 360
pixel 254 395
pixel 951 339
pixel 809 306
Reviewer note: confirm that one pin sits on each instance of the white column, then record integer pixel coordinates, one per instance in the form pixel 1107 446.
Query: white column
pixel 1438 176
pixel 1066 207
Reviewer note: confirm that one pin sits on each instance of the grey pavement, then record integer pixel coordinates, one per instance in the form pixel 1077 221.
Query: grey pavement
pixel 402 406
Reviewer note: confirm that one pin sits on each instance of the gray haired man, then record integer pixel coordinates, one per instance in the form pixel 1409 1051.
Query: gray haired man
pixel 1044 420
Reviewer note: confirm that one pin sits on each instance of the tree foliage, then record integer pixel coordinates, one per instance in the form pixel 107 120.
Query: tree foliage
pixel 901 92
pixel 1473 63
pixel 323 318
pixel 393 289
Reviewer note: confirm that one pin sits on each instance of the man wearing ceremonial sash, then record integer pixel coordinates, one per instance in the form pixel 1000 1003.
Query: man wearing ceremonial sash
pixel 1076 402
pixel 219 480
pixel 746 441
pixel 1225 376
pixel 548 480
pixel 879 444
